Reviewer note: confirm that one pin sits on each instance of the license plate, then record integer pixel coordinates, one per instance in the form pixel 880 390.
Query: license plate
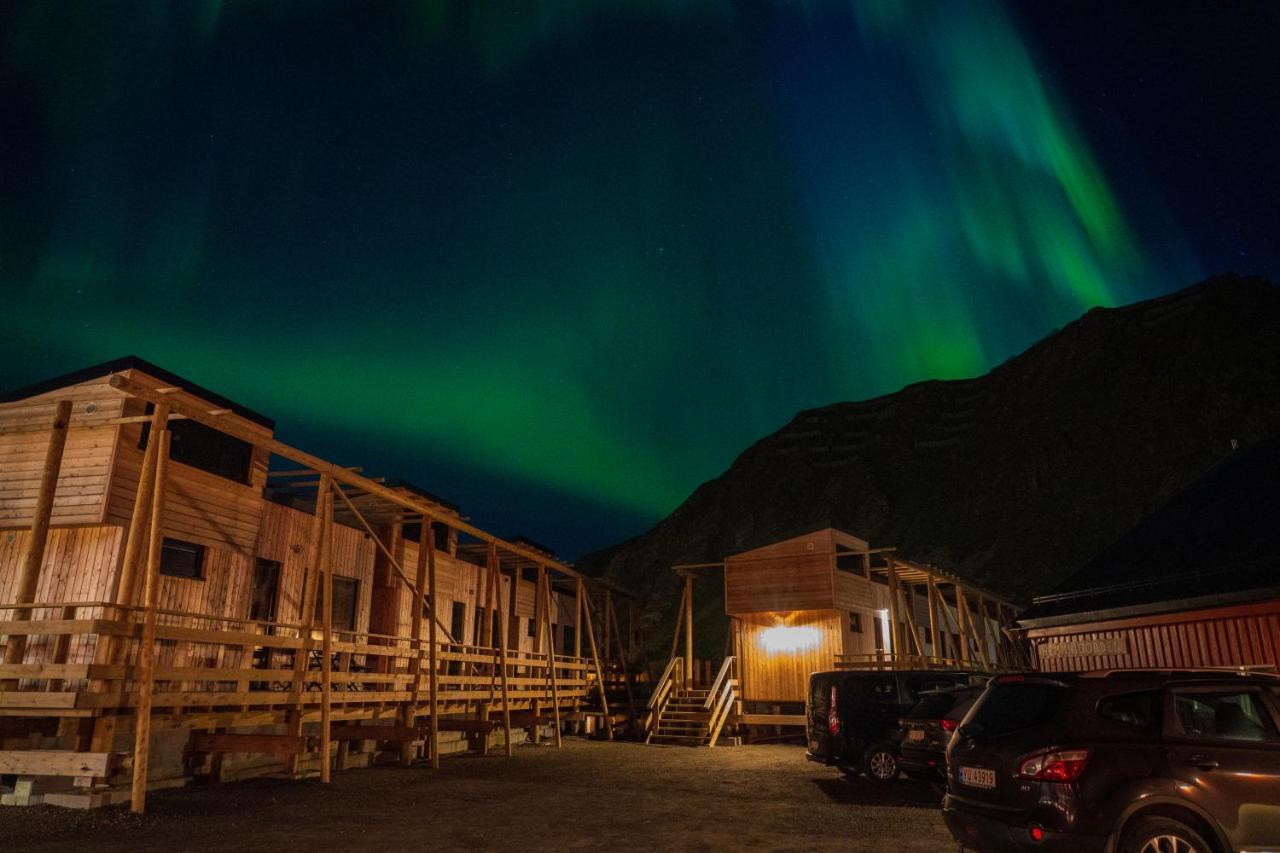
pixel 813 746
pixel 915 734
pixel 978 777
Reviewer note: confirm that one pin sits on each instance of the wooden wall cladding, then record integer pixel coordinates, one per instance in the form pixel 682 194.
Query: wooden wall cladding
pixel 86 463
pixel 1242 635
pixel 802 583
pixel 852 592
pixel 779 674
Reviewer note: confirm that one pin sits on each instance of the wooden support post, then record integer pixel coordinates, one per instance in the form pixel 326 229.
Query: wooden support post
pixel 689 629
pixel 595 658
pixel 935 646
pixel 496 580
pixel 409 714
pixel 895 634
pixel 147 645
pixel 539 607
pixel 577 620
pixel 551 652
pixel 675 637
pixel 29 577
pixel 607 608
pixel 122 589
pixel 949 623
pixel 432 639
pixel 326 653
pixel 311 578
pixel 626 669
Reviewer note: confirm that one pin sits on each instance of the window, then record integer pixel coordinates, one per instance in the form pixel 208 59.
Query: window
pixel 879 689
pixel 855 622
pixel 266 585
pixel 1140 710
pixel 853 563
pixel 192 443
pixel 1227 714
pixel 458 621
pixel 533 628
pixel 914 685
pixel 567 644
pixel 478 629
pixel 346 593
pixel 1010 706
pixel 496 632
pixel 180 559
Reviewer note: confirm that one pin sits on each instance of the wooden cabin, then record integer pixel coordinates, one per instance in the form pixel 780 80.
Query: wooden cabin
pixel 1192 585
pixel 171 606
pixel 826 600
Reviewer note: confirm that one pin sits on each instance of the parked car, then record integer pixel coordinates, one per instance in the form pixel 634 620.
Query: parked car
pixel 1122 762
pixel 852 716
pixel 927 729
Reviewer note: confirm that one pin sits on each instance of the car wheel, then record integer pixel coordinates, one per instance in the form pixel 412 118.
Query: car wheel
pixel 1162 835
pixel 881 763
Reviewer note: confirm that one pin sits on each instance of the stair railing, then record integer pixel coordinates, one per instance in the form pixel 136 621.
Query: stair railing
pixel 661 695
pixel 720 699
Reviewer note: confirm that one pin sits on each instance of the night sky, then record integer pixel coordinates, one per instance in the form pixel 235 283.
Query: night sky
pixel 562 262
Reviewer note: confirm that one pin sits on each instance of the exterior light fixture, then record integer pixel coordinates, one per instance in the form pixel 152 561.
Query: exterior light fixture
pixel 784 639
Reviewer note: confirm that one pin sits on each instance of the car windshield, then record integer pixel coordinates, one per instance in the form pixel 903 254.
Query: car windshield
pixel 1010 706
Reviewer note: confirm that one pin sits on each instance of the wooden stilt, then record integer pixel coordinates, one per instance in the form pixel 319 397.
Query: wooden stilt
pixel 122 585
pixel 302 655
pixel 626 667
pixel 409 714
pixel 935 647
pixel 595 658
pixel 551 652
pixel 326 658
pixel 895 633
pixel 496 581
pixel 688 629
pixel 29 578
pixel 434 651
pixel 147 645
pixel 675 637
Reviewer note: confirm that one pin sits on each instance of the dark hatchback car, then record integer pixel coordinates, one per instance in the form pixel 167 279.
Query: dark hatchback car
pixel 1121 762
pixel 852 716
pixel 927 730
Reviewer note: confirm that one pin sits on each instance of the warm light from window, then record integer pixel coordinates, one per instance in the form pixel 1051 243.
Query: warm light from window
pixel 787 638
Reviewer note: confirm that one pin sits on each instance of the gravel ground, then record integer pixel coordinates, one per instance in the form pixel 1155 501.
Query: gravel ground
pixel 585 796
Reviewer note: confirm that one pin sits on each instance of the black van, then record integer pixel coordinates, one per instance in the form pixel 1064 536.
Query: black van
pixel 861 734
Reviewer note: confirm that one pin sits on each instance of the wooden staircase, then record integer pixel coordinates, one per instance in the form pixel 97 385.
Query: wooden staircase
pixel 686 716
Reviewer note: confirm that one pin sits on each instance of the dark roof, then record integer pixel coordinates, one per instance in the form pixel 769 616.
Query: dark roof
pixel 1217 542
pixel 133 362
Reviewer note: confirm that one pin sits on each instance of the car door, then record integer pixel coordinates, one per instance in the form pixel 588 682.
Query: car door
pixel 1224 748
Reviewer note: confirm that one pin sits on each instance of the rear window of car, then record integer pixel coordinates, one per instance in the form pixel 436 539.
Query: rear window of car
pixel 932 707
pixel 1011 706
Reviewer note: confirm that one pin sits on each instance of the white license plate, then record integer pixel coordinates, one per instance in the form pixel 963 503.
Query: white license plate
pixel 813 746
pixel 978 777
pixel 915 734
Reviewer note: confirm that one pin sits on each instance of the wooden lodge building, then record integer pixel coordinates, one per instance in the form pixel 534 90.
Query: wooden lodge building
pixel 1197 584
pixel 827 600
pixel 172 606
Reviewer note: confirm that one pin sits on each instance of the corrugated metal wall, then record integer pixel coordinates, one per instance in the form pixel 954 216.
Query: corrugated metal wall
pixel 1247 635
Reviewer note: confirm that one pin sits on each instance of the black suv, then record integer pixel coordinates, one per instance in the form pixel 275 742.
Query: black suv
pixel 927 730
pixel 852 716
pixel 1121 762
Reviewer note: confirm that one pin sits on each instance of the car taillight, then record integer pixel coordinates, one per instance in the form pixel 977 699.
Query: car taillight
pixel 833 716
pixel 948 725
pixel 1055 766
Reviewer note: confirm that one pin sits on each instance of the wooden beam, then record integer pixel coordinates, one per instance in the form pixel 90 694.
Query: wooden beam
pixel 502 642
pixel 895 634
pixel 595 657
pixel 429 535
pixel 147 647
pixel 688 629
pixel 29 576
pixel 55 762
pixel 255 743
pixel 326 654
pixel 551 651
pixel 935 646
pixel 409 713
pixel 311 577
pixel 343 475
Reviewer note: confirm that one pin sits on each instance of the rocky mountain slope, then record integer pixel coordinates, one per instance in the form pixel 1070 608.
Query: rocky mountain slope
pixel 1014 479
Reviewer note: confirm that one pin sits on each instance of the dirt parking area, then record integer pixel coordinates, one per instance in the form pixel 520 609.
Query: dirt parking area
pixel 585 796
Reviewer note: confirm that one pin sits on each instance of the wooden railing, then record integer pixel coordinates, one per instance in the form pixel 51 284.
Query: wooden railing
pixel 720 699
pixel 83 656
pixel 672 676
pixel 890 661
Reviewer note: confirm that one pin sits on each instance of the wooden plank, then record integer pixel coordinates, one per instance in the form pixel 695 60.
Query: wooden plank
pixel 147 649
pixel 502 642
pixel 551 654
pixel 55 762
pixel 325 569
pixel 254 743
pixel 434 662
pixel 595 659
pixel 390 734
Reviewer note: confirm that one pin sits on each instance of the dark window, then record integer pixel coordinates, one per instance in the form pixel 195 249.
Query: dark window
pixel 180 559
pixel 851 563
pixel 533 628
pixel 880 689
pixel 496 632
pixel 458 621
pixel 346 592
pixel 478 630
pixel 914 685
pixel 192 443
pixel 1227 714
pixel 855 622
pixel 1010 706
pixel 442 536
pixel 1141 710
pixel 266 585
pixel 568 639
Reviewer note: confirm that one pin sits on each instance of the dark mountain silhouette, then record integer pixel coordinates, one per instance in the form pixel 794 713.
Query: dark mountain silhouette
pixel 1017 478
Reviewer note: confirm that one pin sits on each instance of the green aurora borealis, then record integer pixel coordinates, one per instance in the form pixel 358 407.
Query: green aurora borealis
pixel 562 262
